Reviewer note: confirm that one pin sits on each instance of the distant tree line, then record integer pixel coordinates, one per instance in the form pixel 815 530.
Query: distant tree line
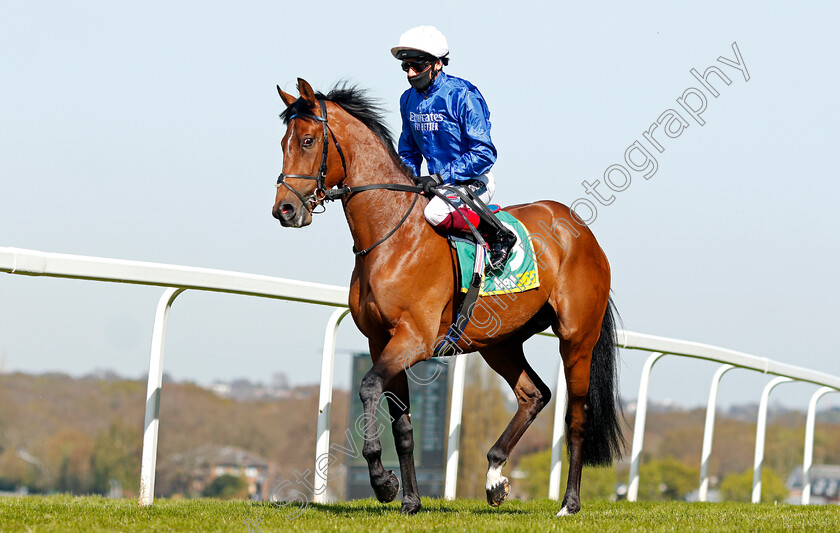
pixel 84 436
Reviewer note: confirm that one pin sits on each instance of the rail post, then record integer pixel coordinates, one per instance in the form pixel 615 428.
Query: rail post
pixel 808 458
pixel 153 389
pixel 560 400
pixel 322 440
pixel 454 442
pixel 708 432
pixel 639 427
pixel 760 433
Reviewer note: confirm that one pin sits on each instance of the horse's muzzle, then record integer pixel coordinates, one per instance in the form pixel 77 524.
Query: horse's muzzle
pixel 291 216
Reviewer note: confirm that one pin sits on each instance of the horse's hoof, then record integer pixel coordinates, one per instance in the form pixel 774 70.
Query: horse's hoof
pixel 497 494
pixel 410 507
pixel 387 490
pixel 569 508
pixel 565 511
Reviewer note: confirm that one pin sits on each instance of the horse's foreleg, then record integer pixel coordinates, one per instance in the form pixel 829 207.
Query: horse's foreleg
pixel 401 352
pixel 508 360
pixel 385 483
pixel 399 404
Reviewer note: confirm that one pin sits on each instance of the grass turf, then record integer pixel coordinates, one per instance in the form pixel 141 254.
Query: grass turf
pixel 72 513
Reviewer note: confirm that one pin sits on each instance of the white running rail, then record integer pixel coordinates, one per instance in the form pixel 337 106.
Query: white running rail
pixel 661 346
pixel 180 278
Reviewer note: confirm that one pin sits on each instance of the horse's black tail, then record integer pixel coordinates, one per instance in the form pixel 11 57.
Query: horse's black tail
pixel 604 441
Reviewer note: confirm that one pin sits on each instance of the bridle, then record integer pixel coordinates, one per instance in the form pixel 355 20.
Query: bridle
pixel 321 192
pixel 323 195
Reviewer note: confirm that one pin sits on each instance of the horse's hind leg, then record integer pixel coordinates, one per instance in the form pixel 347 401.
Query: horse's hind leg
pixel 576 362
pixel 586 334
pixel 508 360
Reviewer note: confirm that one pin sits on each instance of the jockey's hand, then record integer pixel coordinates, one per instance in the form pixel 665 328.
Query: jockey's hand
pixel 428 182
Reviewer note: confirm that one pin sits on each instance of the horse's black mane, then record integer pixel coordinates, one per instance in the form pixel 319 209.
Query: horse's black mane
pixel 357 102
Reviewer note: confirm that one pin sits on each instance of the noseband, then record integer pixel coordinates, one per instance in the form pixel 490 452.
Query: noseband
pixel 320 179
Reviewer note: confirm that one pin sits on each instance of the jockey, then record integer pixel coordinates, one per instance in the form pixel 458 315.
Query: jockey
pixel 445 121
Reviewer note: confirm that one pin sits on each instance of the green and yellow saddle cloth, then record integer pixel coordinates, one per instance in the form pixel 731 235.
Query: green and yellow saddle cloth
pixel 520 271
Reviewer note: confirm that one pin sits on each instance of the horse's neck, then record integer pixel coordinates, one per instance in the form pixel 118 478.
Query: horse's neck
pixel 372 214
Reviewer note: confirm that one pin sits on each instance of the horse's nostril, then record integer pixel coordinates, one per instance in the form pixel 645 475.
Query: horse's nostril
pixel 287 209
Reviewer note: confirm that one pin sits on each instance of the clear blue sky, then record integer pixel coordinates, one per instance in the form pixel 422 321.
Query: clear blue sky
pixel 150 131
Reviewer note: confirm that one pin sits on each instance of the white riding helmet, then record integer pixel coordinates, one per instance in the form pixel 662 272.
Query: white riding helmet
pixel 426 39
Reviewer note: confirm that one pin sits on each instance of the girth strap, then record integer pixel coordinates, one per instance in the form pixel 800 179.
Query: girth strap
pixel 448 346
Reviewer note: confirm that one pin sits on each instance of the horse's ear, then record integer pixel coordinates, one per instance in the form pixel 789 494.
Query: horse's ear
pixel 287 98
pixel 306 91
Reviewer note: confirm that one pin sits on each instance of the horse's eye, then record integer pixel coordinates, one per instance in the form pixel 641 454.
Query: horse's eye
pixel 308 142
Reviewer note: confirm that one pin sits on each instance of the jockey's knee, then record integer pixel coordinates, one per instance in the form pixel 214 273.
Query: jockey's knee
pixel 436 212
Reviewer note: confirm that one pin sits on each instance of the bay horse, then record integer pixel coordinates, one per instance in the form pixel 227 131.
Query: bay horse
pixel 404 292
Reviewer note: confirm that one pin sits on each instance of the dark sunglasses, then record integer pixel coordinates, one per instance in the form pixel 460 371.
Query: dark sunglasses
pixel 418 66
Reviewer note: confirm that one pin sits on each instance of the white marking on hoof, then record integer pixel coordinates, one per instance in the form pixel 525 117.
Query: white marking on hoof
pixel 563 512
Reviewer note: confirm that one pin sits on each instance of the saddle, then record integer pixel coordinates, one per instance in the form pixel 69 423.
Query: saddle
pixel 494 275
pixel 518 274
pixel 490 233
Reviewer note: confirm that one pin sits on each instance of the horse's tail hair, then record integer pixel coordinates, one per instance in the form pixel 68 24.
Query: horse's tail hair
pixel 604 440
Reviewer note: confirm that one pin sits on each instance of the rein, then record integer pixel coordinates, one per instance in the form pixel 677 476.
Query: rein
pixel 323 195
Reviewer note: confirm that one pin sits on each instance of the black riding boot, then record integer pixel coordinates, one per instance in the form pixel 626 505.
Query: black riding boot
pixel 500 241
